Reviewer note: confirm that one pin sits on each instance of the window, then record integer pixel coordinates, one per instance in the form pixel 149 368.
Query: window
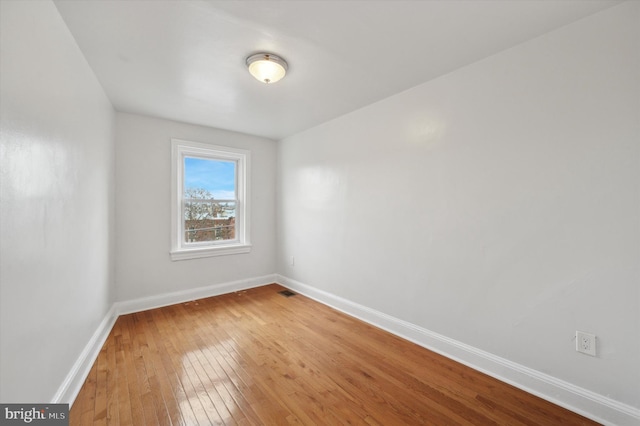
pixel 210 200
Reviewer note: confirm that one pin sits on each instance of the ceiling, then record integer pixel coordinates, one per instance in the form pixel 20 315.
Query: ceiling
pixel 184 59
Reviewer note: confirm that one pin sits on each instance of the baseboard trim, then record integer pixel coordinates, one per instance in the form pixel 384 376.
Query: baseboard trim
pixel 70 387
pixel 166 299
pixel 585 402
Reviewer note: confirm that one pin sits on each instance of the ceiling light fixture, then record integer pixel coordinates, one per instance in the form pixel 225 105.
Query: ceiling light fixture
pixel 267 67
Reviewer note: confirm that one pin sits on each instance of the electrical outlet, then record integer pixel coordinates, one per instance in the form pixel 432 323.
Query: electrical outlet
pixel 292 261
pixel 586 343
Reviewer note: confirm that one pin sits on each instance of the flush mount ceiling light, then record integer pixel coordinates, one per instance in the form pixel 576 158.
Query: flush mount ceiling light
pixel 267 67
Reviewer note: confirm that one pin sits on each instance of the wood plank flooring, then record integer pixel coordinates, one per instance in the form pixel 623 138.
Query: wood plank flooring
pixel 256 357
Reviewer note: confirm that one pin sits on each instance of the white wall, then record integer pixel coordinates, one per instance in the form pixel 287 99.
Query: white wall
pixel 56 214
pixel 143 209
pixel 497 205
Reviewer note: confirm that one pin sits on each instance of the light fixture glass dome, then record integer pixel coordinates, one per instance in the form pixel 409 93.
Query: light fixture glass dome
pixel 267 67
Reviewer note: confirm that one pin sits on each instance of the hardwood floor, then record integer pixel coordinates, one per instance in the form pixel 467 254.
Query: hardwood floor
pixel 256 357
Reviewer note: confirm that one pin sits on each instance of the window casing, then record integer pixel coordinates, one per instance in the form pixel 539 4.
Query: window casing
pixel 204 221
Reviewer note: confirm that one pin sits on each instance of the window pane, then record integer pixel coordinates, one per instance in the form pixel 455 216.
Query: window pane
pixel 209 200
pixel 209 179
pixel 209 221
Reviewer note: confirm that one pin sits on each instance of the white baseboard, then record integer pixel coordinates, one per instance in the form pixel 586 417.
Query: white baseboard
pixel 587 403
pixel 70 387
pixel 166 299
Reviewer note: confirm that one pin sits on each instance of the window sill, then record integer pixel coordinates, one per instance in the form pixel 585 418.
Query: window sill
pixel 197 253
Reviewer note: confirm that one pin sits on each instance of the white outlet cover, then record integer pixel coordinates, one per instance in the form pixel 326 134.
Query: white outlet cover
pixel 586 343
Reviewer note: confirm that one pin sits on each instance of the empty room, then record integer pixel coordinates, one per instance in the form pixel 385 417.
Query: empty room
pixel 377 212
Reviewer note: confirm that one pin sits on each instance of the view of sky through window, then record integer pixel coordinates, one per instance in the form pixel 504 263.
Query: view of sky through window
pixel 216 176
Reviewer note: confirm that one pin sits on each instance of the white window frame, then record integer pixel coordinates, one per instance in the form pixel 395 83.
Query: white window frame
pixel 180 250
